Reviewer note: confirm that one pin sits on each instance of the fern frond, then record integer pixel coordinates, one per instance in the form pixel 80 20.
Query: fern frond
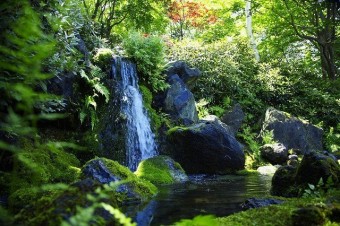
pixel 102 90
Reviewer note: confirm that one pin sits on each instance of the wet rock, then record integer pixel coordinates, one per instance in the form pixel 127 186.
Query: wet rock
pixel 257 203
pixel 234 118
pixel 274 153
pixel 293 160
pixel 292 132
pixel 187 74
pixel 206 147
pixel 97 170
pixel 180 102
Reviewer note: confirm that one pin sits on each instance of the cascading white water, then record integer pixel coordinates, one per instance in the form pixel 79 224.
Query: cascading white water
pixel 140 140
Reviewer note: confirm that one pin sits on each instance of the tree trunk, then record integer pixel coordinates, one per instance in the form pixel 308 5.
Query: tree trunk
pixel 250 30
pixel 326 49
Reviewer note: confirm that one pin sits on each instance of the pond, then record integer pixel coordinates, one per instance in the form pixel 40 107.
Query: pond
pixel 202 195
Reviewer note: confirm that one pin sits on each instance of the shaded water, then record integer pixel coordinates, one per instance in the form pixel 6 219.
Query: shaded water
pixel 203 195
pixel 140 142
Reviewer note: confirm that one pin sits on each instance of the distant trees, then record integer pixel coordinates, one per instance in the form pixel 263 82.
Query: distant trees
pixel 315 21
pixel 135 13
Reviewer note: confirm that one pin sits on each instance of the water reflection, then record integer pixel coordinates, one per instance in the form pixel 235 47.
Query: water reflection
pixel 217 195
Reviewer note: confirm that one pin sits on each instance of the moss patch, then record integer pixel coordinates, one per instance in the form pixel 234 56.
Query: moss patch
pixel 159 170
pixel 142 187
pixel 283 214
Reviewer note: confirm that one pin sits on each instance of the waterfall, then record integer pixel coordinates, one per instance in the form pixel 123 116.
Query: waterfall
pixel 140 140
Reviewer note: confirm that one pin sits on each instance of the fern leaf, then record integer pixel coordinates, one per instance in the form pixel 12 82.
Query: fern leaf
pixel 102 90
pixel 84 75
pixel 89 100
pixel 82 116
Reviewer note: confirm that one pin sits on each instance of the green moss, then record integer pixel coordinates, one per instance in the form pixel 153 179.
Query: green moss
pixel 278 215
pixel 246 172
pixel 142 187
pixel 176 128
pixel 157 171
pixel 103 58
pixel 157 119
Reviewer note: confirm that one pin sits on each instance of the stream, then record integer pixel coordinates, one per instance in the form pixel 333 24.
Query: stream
pixel 202 195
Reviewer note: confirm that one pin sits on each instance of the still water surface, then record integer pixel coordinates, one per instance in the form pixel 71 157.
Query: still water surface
pixel 202 195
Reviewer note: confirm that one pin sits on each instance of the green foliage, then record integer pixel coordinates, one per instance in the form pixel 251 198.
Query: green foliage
pixel 86 215
pixel 319 190
pixel 201 108
pixel 103 58
pixel 333 139
pixel 148 52
pixel 90 101
pixel 268 137
pixel 21 72
pixel 200 220
pixel 253 146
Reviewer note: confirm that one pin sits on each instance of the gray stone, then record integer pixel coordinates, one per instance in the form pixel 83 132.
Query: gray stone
pixel 257 203
pixel 274 153
pixel 234 118
pixel 206 147
pixel 179 102
pixel 188 75
pixel 292 132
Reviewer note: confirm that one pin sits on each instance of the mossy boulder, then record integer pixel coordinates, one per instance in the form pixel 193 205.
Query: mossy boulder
pixel 308 216
pixel 105 171
pixel 292 181
pixel 161 170
pixel 283 182
pixel 206 147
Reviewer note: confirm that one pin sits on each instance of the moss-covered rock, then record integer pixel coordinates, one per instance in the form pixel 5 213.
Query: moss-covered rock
pixel 308 216
pixel 283 182
pixel 105 171
pixel 291 181
pixel 283 214
pixel 161 170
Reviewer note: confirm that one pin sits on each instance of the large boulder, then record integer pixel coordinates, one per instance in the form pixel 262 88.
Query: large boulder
pixel 180 102
pixel 274 153
pixel 161 170
pixel 206 147
pixel 291 181
pixel 187 74
pixel 234 118
pixel 292 132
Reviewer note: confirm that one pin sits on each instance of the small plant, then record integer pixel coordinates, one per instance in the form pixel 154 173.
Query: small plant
pixel 333 139
pixel 319 190
pixel 268 137
pixel 254 146
pixel 98 89
pixel 201 108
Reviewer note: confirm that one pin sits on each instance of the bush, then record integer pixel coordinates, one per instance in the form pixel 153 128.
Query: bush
pixel 148 52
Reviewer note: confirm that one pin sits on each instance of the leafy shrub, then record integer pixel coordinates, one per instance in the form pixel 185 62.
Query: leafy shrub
pixel 103 58
pixel 148 52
